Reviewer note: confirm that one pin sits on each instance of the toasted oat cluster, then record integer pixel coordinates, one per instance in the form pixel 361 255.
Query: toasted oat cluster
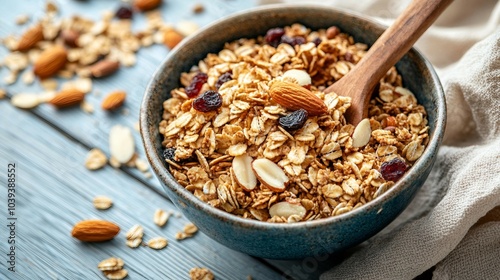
pixel 251 131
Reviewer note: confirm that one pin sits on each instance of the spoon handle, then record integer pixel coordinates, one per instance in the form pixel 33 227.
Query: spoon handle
pixel 399 38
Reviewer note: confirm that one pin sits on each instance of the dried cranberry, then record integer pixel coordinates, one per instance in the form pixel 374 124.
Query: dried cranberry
pixel 348 57
pixel 294 120
pixel 226 77
pixel 393 169
pixel 292 41
pixel 317 41
pixel 197 82
pixel 273 36
pixel 124 12
pixel 169 153
pixel 210 100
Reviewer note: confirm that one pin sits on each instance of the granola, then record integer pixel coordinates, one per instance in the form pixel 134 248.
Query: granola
pixel 222 129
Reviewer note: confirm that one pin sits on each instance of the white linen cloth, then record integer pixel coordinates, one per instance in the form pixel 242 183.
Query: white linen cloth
pixel 453 224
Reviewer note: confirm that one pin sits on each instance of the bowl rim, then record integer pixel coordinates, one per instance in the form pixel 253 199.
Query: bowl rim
pixel 163 173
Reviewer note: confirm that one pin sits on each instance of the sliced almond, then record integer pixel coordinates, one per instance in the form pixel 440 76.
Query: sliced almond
pixel 186 27
pixel 287 209
pixel 121 143
pixel 361 134
pixel 270 174
pixel 81 84
pixel 114 100
pixel 25 100
pixel 301 77
pixel 67 98
pixel 242 167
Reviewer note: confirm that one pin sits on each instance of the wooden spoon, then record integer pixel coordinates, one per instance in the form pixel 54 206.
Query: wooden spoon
pixel 361 81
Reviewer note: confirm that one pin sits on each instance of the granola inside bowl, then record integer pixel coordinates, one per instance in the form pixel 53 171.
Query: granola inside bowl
pixel 247 144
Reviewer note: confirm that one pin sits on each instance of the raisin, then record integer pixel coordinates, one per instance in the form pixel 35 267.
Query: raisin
pixel 294 120
pixel 292 41
pixel 273 36
pixel 169 153
pixel 124 12
pixel 226 77
pixel 193 89
pixel 210 100
pixel 348 57
pixel 317 41
pixel 393 169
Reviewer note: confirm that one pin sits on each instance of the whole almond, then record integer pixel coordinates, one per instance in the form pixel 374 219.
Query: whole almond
pixel 70 37
pixel 95 230
pixel 293 97
pixel 67 98
pixel 104 68
pixel 171 38
pixel 30 38
pixel 50 61
pixel 145 5
pixel 114 100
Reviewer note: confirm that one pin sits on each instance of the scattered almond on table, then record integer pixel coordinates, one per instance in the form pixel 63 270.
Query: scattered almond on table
pixel 67 98
pixel 114 100
pixel 95 230
pixel 89 50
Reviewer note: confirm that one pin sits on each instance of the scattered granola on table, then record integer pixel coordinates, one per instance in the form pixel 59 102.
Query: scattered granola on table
pixel 200 273
pixel 112 268
pixel 251 131
pixel 189 231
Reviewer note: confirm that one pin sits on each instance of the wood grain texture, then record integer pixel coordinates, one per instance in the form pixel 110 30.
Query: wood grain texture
pixel 92 129
pixel 55 190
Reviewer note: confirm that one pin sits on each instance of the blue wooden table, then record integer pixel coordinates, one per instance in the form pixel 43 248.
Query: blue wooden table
pixel 54 190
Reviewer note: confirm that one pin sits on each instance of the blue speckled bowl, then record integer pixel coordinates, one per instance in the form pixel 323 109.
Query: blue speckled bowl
pixel 290 241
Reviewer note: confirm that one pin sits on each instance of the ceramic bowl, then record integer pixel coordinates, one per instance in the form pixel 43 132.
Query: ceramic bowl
pixel 297 240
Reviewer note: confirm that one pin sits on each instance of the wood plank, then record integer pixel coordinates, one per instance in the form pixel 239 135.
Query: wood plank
pixel 92 129
pixel 54 190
